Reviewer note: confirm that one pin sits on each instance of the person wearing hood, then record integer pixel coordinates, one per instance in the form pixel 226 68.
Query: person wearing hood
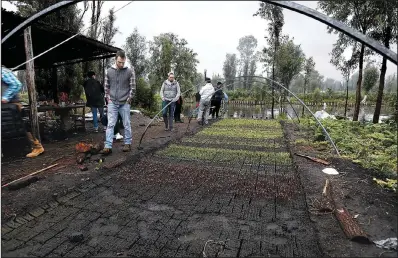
pixel 170 93
pixel 206 92
pixel 120 89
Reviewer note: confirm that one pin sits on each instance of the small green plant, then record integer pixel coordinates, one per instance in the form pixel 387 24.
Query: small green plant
pixel 373 146
pixel 225 155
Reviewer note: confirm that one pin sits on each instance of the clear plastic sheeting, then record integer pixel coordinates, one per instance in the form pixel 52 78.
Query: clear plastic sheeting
pixel 389 243
pixel 330 171
pixel 323 115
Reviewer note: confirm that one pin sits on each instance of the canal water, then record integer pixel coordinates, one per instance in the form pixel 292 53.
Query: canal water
pixel 264 112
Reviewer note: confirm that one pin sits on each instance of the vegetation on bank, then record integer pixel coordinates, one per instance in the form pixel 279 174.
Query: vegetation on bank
pixel 373 146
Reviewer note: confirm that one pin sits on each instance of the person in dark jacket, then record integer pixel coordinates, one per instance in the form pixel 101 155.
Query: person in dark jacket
pixel 177 112
pixel 197 97
pixel 216 100
pixel 95 97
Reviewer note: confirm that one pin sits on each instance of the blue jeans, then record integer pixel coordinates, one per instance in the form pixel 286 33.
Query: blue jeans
pixel 94 110
pixel 170 109
pixel 124 111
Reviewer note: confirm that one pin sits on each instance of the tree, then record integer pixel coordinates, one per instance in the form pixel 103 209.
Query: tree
pixel 274 15
pixel 229 70
pixel 169 53
pixel 386 32
pixel 370 77
pixel 70 19
pixel 247 47
pixel 290 60
pixel 308 69
pixel 136 48
pixel 391 83
pixel 109 31
pixel 93 32
pixel 357 14
pixel 346 67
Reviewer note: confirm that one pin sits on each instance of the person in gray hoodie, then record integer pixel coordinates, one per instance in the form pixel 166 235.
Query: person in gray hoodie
pixel 120 89
pixel 170 93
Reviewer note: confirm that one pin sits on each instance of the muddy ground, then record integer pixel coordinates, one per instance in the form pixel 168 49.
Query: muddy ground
pixel 174 206
pixel 67 175
pixel 156 205
pixel 376 208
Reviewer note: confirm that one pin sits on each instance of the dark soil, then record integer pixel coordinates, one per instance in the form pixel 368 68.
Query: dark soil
pixel 353 187
pixel 67 175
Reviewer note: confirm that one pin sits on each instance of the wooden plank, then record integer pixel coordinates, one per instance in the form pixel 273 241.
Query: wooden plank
pixel 30 81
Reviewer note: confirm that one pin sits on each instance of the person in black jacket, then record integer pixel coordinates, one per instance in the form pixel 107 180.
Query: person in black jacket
pixel 177 112
pixel 95 97
pixel 216 100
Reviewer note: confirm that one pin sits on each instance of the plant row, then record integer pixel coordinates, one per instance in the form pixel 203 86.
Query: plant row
pixel 225 155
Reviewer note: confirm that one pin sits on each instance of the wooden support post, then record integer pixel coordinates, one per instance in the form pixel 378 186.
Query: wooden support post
pixel 30 81
pixel 54 84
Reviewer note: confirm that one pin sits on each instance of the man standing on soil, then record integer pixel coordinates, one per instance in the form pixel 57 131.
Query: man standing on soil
pixel 206 93
pixel 10 87
pixel 95 97
pixel 216 102
pixel 170 93
pixel 119 91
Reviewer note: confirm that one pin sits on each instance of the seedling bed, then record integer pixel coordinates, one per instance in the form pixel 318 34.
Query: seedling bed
pixel 222 141
pixel 225 155
pixel 235 146
pixel 211 180
pixel 242 133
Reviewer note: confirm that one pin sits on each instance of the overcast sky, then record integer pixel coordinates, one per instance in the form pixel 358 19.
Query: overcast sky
pixel 213 29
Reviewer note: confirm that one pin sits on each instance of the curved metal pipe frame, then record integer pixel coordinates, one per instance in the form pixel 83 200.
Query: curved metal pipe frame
pixel 302 103
pixel 338 25
pixel 38 15
pixel 153 119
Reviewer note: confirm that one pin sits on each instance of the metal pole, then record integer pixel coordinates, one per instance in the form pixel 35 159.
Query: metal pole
pixel 38 15
pixel 338 25
pixel 302 103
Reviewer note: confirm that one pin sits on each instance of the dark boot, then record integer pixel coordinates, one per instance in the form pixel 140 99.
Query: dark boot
pixel 166 123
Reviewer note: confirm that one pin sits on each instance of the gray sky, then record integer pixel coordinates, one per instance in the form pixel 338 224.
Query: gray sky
pixel 213 29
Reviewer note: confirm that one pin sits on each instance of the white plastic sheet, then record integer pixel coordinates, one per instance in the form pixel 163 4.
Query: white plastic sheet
pixel 330 171
pixel 389 243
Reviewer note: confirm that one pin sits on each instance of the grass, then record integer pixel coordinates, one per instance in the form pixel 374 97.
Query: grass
pixel 224 155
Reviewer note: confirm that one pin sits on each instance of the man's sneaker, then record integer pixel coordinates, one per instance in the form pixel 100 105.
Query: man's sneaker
pixel 118 136
pixel 166 129
pixel 104 128
pixel 106 151
pixel 127 148
pixel 95 130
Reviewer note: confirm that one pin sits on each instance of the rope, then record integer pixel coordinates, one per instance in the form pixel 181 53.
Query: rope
pixel 66 40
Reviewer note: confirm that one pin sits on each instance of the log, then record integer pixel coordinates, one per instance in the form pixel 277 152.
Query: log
pixel 350 226
pixel 326 203
pixel 31 174
pixel 30 82
pixel 324 162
